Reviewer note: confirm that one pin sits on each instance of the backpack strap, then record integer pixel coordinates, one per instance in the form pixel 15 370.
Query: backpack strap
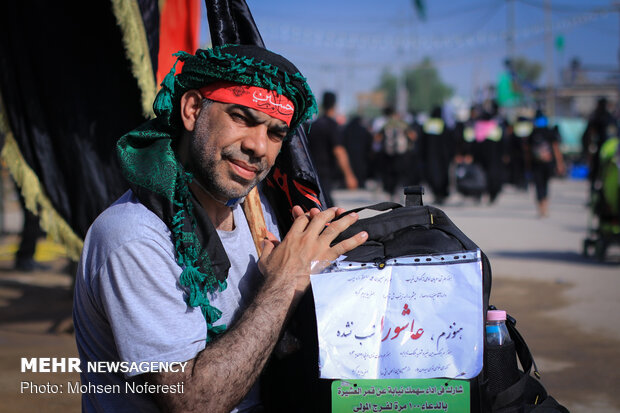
pixel 381 206
pixel 523 351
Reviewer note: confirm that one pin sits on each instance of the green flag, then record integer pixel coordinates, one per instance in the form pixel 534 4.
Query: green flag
pixel 559 43
pixel 420 8
pixel 506 93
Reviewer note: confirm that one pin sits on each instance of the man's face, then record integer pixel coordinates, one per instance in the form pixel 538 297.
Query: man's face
pixel 233 147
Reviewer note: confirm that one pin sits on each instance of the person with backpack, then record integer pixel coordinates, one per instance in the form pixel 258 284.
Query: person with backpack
pixel 470 178
pixel 490 150
pixel 397 139
pixel 170 272
pixel 543 158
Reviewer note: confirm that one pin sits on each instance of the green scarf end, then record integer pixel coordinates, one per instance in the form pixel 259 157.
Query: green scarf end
pixel 214 331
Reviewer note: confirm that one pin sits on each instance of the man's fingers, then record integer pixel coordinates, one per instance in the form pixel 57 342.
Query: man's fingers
pixel 302 218
pixel 267 247
pixel 336 227
pixel 297 211
pixel 300 223
pixel 318 221
pixel 348 244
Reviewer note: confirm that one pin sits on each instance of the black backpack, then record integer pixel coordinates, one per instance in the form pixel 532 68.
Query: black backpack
pixel 291 378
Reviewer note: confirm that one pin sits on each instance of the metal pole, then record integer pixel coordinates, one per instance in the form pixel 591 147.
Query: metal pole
pixel 550 104
pixel 510 32
pixel 618 71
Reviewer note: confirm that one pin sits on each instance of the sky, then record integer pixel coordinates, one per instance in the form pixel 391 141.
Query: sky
pixel 345 45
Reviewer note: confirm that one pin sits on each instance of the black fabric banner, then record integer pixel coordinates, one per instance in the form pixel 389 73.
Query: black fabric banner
pixel 69 94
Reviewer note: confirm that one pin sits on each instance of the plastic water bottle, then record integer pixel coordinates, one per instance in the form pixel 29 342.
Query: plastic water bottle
pixel 496 330
pixel 501 359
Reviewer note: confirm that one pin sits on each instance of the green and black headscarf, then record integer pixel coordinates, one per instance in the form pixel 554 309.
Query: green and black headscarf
pixel 161 183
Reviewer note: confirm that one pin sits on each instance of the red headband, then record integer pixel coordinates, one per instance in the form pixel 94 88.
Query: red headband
pixel 267 101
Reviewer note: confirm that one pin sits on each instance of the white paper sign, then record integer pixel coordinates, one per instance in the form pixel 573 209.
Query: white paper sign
pixel 417 317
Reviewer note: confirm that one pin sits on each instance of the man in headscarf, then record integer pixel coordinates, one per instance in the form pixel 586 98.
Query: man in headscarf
pixel 169 272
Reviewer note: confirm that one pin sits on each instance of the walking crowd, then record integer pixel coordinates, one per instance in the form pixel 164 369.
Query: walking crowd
pixel 474 157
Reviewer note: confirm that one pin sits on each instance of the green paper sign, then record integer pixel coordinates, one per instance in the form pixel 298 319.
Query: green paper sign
pixel 400 395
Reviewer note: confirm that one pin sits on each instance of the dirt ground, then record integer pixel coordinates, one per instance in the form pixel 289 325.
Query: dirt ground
pixel 579 369
pixel 35 321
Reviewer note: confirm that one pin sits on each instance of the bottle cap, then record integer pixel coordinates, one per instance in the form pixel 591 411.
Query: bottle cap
pixel 496 315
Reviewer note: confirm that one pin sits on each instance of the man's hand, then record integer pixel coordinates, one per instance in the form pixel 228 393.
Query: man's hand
pixel 308 240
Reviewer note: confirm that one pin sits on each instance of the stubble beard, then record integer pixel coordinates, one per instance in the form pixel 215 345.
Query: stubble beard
pixel 204 165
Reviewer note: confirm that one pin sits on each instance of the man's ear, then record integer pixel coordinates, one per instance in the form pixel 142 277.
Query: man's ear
pixel 191 104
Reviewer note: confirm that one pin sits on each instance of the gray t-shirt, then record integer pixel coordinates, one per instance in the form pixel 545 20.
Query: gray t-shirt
pixel 130 307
